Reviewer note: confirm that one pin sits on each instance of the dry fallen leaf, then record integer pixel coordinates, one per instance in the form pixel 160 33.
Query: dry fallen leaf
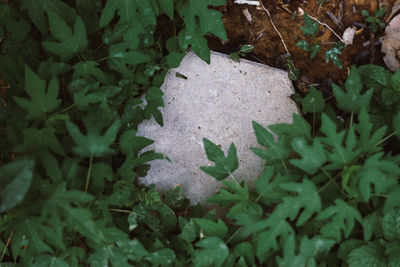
pixel 391 44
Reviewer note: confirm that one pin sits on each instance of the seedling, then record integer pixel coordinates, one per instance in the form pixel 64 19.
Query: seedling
pixel 245 49
pixel 310 28
pixel 375 22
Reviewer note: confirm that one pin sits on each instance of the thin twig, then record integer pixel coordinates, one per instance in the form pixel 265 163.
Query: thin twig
pixel 327 26
pixel 273 25
pixel 6 246
pixel 278 32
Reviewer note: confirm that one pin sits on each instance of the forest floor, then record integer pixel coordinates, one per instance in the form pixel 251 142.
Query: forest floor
pixel 250 24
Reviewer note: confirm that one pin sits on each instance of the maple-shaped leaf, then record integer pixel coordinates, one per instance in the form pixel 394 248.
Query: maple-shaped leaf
pixel 368 140
pixel 276 150
pixel 313 102
pixel 154 98
pixel 212 252
pixel 373 76
pixel 65 205
pixel 224 166
pixel 234 193
pixel 211 228
pixel 47 260
pixel 37 11
pixel 298 128
pixel 352 100
pixel 342 217
pixel 200 20
pixel 312 157
pixel 93 144
pixel 309 249
pixel 380 173
pixel 89 70
pixel 29 232
pixel 41 102
pixel 70 42
pixel 40 138
pixel 306 202
pixel 268 187
pixel 277 227
pixel 136 15
pixel 343 151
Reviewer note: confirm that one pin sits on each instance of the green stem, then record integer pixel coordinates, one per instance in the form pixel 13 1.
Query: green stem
pixel 386 138
pixel 6 246
pixel 66 109
pixel 333 181
pixel 233 235
pixel 88 173
pixel 351 119
pixel 233 178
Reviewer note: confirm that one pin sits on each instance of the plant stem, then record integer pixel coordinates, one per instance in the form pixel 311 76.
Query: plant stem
pixel 88 173
pixel 351 119
pixel 233 235
pixel 123 211
pixel 386 138
pixel 6 246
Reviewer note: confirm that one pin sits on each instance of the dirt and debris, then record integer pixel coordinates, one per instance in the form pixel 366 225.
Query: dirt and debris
pixel 250 24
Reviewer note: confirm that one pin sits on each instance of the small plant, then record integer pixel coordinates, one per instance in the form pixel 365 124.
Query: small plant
pixel 375 22
pixel 310 28
pixel 244 49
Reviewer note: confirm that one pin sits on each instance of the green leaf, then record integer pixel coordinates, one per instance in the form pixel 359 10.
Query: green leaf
pixel 313 102
pixel 130 143
pixel 306 202
pixel 46 261
pixel 93 144
pixel 368 140
pixel 312 157
pixel 40 139
pixel 341 154
pixel 308 250
pixel 246 250
pixel 391 225
pixel 375 77
pixel 168 7
pixel 315 49
pixel 28 232
pixel 233 194
pixel 224 166
pixel 383 174
pixel 36 11
pixel 154 98
pixel 333 54
pixel 210 228
pixel 372 224
pixel 342 218
pixel 310 27
pixel 164 256
pixel 371 254
pixel 392 199
pixel 276 151
pixel 298 128
pixel 15 180
pixel 70 42
pixel 41 102
pixel 212 252
pixel 352 100
pixel 303 44
pixel 89 69
pixel 247 48
pixel 199 21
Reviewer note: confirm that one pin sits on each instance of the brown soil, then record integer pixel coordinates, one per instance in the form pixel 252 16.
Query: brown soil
pixel 270 50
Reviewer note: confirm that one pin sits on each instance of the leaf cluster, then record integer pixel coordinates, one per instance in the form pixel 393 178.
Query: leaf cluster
pixel 311 28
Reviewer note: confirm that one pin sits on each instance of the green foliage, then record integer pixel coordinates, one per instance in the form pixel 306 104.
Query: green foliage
pixel 84 74
pixel 310 28
pixel 244 49
pixel 375 22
